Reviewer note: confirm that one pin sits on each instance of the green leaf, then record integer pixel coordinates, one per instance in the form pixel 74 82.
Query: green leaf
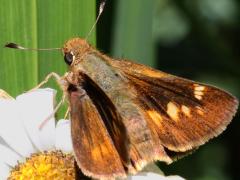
pixel 19 69
pixel 39 24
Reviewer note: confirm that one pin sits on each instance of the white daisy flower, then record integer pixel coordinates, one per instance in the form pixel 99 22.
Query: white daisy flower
pixel 153 176
pixel 25 149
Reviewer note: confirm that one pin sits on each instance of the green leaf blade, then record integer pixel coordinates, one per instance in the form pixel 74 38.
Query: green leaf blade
pixel 18 68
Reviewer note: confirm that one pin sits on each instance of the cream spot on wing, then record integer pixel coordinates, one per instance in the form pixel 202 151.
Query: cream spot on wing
pixel 198 97
pixel 199 88
pixel 186 110
pixel 172 111
pixel 156 117
pixel 200 111
pixel 198 91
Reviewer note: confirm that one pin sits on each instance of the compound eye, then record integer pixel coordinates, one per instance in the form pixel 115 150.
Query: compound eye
pixel 68 58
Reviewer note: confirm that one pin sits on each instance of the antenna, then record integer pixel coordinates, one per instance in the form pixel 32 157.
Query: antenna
pixel 101 8
pixel 16 46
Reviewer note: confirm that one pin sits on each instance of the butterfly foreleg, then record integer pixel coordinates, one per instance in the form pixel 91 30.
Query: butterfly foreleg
pixel 63 84
pixel 54 75
pixel 53 113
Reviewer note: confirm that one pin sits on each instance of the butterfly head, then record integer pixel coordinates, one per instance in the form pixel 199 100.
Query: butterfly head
pixel 74 49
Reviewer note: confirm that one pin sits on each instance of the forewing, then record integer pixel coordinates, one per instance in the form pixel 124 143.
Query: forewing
pixel 95 151
pixel 183 113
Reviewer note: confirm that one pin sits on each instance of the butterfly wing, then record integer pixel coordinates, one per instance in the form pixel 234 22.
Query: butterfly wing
pixel 99 138
pixel 183 113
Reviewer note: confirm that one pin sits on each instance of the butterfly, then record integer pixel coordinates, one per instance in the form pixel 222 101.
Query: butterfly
pixel 125 115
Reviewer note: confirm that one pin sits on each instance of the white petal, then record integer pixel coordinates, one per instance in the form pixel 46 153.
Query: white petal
pixel 153 176
pixel 37 106
pixel 4 171
pixel 63 136
pixel 146 176
pixel 12 130
pixel 1 140
pixel 8 156
pixel 175 177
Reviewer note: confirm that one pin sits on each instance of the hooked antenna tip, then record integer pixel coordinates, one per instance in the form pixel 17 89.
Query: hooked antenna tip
pixel 13 45
pixel 102 6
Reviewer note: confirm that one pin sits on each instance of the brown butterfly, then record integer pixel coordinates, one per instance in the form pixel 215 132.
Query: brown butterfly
pixel 125 115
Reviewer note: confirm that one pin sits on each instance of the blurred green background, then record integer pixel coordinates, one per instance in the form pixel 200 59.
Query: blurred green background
pixel 196 39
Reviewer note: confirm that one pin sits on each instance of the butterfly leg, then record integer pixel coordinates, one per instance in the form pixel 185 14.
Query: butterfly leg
pixel 67 113
pixel 63 84
pixel 54 111
pixel 50 75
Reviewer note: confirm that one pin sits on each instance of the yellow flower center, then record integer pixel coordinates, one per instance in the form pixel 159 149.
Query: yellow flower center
pixel 45 165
